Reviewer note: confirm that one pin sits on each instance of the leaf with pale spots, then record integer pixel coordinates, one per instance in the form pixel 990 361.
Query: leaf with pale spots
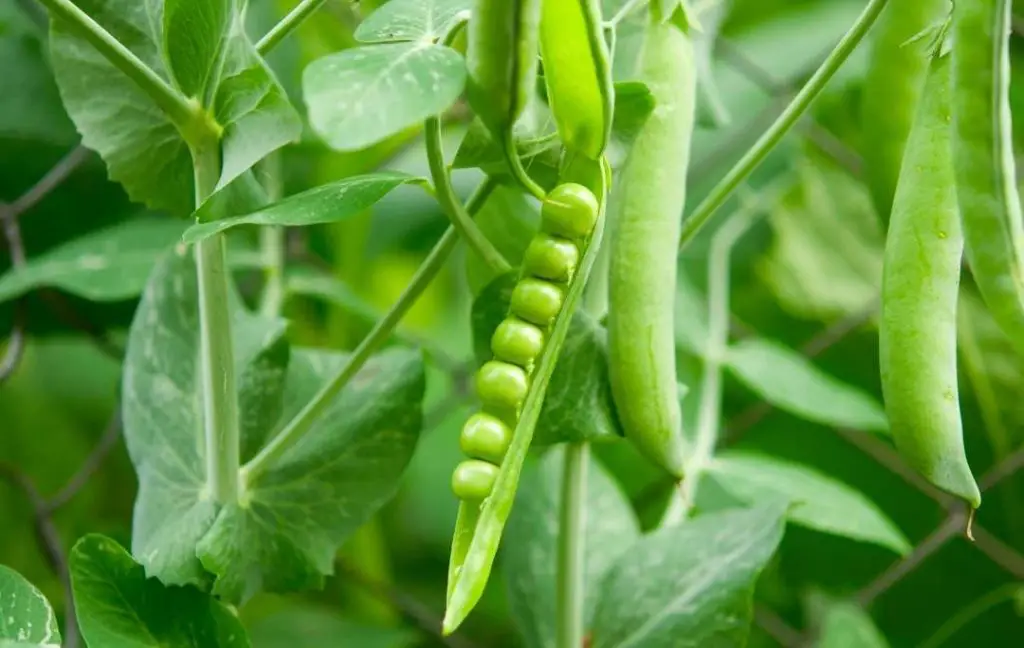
pixel 363 95
pixel 409 20
pixel 290 519
pixel 327 203
pixel 108 265
pixel 26 618
pixel 691 585
pixel 118 607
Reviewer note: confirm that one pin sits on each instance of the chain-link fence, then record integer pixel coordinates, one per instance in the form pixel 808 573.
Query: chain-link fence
pixel 953 525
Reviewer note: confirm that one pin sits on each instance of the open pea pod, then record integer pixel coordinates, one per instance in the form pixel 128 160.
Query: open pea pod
pixel 577 73
pixel 479 525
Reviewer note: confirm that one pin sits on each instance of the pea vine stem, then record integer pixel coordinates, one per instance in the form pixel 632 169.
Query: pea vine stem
pixel 782 125
pixel 304 420
pixel 288 24
pixel 188 116
pixel 451 204
pixel 572 546
pixel 216 352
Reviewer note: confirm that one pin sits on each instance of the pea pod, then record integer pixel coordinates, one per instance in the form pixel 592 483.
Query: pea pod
pixel 577 74
pixel 501 58
pixel 983 154
pixel 501 434
pixel 920 285
pixel 896 70
pixel 645 225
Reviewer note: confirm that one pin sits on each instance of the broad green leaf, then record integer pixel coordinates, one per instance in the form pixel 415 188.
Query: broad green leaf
pixel 531 547
pixel 142 149
pixel 363 95
pixel 306 626
pixel 509 220
pixel 536 143
pixel 290 519
pixel 847 625
pixel 818 501
pixel 789 381
pixel 412 20
pixel 119 607
pixel 826 257
pixel 324 204
pixel 578 405
pixel 694 581
pixel 634 103
pixel 26 618
pixel 107 265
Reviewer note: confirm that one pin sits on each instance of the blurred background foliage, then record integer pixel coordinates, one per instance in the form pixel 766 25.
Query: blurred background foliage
pixel 815 260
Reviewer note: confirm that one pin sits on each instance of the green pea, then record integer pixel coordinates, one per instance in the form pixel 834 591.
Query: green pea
pixel 501 385
pixel 892 88
pixel 501 58
pixel 517 342
pixel 485 437
pixel 536 301
pixel 983 160
pixel 920 287
pixel 551 258
pixel 647 206
pixel 569 210
pixel 473 480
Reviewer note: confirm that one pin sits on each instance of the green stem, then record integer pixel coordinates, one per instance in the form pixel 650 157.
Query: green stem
pixel 194 123
pixel 287 25
pixel 304 420
pixel 519 172
pixel 789 117
pixel 572 546
pixel 216 354
pixel 451 204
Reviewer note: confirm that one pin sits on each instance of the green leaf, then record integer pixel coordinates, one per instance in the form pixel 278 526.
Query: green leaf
pixel 847 625
pixel 578 405
pixel 634 103
pixel 289 521
pixel 107 265
pixel 536 143
pixel 317 285
pixel 142 148
pixel 509 220
pixel 363 95
pixel 118 607
pixel 412 20
pixel 787 380
pixel 694 581
pixel 26 618
pixel 818 501
pixel 531 548
pixel 327 203
pixel 306 626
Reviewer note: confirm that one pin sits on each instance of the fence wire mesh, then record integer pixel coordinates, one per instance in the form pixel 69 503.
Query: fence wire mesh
pixel 414 612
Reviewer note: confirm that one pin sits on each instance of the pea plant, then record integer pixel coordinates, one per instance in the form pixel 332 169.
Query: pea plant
pixel 262 454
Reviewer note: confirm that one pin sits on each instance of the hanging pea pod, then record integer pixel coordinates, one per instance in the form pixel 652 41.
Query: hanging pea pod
pixel 920 286
pixel 501 58
pixel 577 73
pixel 983 154
pixel 512 386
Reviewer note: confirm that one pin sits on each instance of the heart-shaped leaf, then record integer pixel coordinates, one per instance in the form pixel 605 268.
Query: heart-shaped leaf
pixel 694 581
pixel 364 95
pixel 327 203
pixel 26 618
pixel 118 607
pixel 341 471
pixel 790 382
pixel 818 501
pixel 531 544
pixel 412 20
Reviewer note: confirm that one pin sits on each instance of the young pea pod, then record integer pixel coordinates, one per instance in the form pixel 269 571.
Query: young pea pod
pixel 896 71
pixel 920 285
pixel 577 74
pixel 501 58
pixel 983 154
pixel 645 224
pixel 511 387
